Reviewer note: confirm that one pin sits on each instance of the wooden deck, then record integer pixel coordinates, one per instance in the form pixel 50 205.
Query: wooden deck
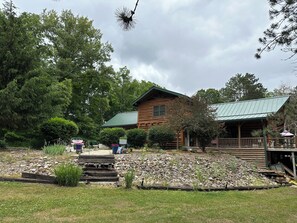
pixel 282 149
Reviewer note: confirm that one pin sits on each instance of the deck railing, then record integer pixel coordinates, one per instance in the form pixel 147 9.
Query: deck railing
pixel 286 143
pixel 254 142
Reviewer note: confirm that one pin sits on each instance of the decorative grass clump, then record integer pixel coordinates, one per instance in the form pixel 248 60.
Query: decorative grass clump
pixel 129 177
pixel 68 174
pixel 54 149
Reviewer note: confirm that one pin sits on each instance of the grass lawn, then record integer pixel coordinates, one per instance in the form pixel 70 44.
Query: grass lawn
pixel 48 203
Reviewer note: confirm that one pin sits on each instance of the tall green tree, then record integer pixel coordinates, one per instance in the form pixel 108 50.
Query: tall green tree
pixel 76 52
pixel 243 87
pixel 282 31
pixel 211 95
pixel 29 95
pixel 20 38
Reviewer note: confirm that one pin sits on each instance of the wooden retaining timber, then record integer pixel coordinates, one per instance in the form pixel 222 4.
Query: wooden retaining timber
pixel 207 189
pixel 50 179
pixel 253 155
pixel 98 168
pixel 25 180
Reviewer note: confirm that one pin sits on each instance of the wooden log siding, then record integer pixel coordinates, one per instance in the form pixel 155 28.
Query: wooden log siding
pixel 146 118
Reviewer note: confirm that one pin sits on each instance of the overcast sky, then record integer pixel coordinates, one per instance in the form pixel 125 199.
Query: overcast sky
pixel 184 45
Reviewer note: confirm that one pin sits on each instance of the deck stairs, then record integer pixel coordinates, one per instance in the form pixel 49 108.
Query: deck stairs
pixel 98 168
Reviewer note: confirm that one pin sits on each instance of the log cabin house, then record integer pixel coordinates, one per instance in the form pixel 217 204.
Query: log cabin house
pixel 240 119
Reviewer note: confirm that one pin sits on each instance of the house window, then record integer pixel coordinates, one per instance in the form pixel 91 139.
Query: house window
pixel 159 110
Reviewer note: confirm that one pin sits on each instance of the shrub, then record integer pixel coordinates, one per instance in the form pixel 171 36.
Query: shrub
pixel 58 129
pixel 16 139
pixel 161 134
pixel 68 174
pixel 3 144
pixel 110 136
pixel 136 137
pixel 54 149
pixel 12 137
pixel 129 177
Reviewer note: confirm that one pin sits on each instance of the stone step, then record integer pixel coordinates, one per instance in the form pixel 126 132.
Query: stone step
pixel 97 173
pixel 96 157
pixel 97 166
pixel 106 161
pixel 99 179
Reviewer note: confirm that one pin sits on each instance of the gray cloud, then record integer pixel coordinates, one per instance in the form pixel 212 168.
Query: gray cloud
pixel 185 45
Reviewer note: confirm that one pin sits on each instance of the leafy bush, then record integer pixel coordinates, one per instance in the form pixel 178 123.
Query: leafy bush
pixel 68 174
pixel 54 149
pixel 16 139
pixel 11 137
pixel 110 136
pixel 161 134
pixel 129 177
pixel 3 144
pixel 58 129
pixel 136 137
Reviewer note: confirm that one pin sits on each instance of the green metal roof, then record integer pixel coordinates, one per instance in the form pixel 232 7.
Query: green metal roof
pixel 122 119
pixel 249 109
pixel 153 90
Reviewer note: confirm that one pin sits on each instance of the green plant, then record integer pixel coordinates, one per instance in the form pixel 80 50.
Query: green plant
pixel 136 137
pixel 129 177
pixel 199 175
pixel 110 136
pixel 58 129
pixel 233 165
pixel 3 144
pixel 55 149
pixel 12 137
pixel 161 134
pixel 68 174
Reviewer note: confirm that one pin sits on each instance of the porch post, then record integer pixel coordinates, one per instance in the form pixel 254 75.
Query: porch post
pixel 188 138
pixel 239 135
pixel 294 165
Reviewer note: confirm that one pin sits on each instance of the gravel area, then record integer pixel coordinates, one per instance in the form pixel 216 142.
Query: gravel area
pixel 165 169
pixel 190 169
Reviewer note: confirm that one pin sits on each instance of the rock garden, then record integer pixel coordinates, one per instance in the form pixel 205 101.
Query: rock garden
pixel 164 168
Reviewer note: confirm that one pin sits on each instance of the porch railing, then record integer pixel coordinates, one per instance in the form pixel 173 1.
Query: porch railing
pixel 254 142
pixel 286 143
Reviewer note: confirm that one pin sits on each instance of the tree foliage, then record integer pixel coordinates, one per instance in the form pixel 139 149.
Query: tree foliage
pixel 161 135
pixel 282 31
pixel 179 113
pixel 287 118
pixel 136 137
pixel 210 95
pixel 203 123
pixel 124 91
pixel 194 114
pixel 109 136
pixel 243 87
pixel 29 94
pixel 58 129
pixel 55 64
